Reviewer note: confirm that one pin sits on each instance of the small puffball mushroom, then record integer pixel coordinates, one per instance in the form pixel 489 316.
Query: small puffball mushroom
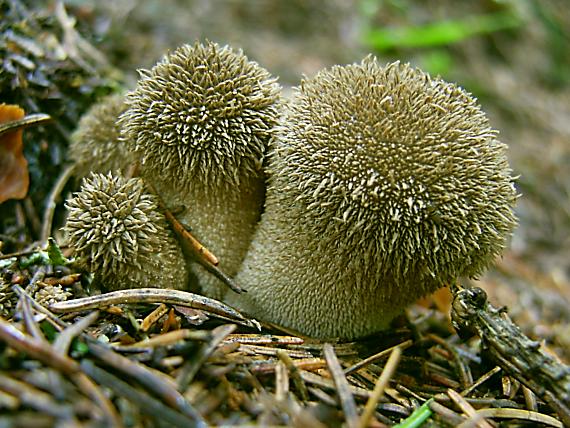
pixel 117 232
pixel 95 144
pixel 385 185
pixel 200 122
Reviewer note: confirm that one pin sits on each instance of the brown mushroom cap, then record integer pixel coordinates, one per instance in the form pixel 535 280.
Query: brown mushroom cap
pixel 95 144
pixel 117 232
pixel 203 114
pixel 385 185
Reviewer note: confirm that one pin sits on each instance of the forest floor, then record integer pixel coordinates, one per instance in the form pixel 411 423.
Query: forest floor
pixel 165 363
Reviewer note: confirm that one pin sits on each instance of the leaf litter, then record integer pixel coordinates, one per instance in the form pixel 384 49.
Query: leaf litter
pixel 156 357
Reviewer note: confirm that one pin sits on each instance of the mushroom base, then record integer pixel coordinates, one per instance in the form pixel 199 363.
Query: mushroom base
pixel 316 286
pixel 222 219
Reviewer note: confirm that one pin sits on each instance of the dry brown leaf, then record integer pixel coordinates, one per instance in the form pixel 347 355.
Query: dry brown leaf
pixel 441 298
pixel 14 179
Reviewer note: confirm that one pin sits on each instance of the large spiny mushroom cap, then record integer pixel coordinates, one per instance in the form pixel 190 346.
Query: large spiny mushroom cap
pixel 203 113
pixel 95 144
pixel 117 231
pixel 405 162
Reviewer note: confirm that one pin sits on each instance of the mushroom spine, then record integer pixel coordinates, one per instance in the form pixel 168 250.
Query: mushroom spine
pixel 95 145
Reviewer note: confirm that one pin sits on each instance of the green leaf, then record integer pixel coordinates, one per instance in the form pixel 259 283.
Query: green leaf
pixel 38 258
pixel 49 331
pixel 51 256
pixel 55 255
pixel 440 33
pixel 79 348
pixel 418 417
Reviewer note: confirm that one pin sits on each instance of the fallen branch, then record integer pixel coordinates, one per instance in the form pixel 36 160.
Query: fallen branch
pixel 515 353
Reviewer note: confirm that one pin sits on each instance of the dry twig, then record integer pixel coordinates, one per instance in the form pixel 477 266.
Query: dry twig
pixel 154 295
pixel 346 399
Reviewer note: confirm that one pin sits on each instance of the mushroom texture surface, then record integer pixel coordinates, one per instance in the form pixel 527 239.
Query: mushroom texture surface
pixel 95 145
pixel 200 121
pixel 385 185
pixel 117 232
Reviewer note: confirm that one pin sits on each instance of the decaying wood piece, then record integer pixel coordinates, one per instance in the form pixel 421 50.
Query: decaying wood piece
pixel 513 351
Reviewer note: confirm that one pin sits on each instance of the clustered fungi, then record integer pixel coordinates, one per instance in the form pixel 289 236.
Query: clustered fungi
pixel 200 123
pixel 117 231
pixel 384 185
pixel 204 113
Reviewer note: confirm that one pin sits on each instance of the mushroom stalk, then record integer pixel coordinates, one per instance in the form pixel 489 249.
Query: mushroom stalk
pixel 222 219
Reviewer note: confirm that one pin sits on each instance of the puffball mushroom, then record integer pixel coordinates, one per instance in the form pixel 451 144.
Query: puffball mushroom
pixel 95 144
pixel 200 122
pixel 117 231
pixel 385 185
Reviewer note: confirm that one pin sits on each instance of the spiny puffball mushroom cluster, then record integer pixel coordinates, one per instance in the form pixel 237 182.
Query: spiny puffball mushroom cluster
pixel 95 145
pixel 384 184
pixel 117 231
pixel 200 122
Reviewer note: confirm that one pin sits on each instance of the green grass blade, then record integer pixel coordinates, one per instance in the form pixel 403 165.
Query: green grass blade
pixel 440 33
pixel 418 417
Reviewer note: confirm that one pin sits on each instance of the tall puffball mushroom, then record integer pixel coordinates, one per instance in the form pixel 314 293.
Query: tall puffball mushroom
pixel 95 145
pixel 200 122
pixel 385 185
pixel 118 232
